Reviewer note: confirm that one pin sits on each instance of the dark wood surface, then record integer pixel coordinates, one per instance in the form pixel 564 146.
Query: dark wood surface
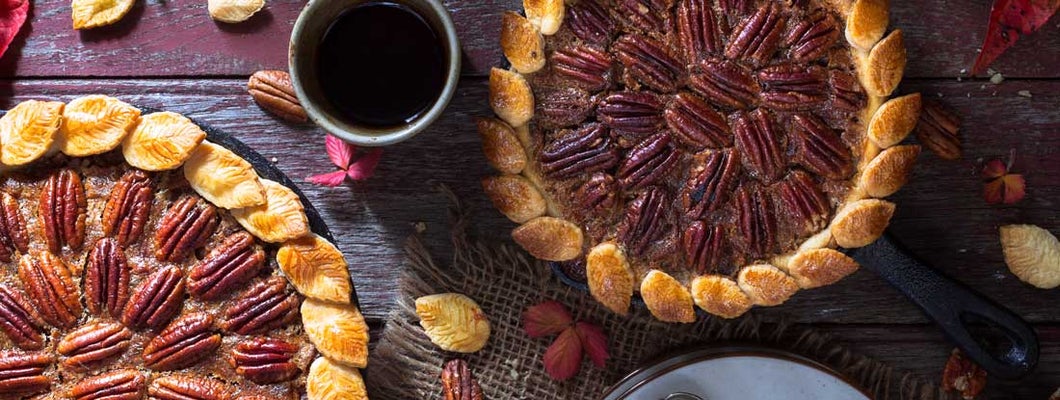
pixel 171 55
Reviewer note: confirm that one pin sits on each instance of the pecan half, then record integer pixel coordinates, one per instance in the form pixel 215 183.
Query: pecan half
pixel 646 220
pixel 106 278
pixel 631 113
pixel 696 124
pixel 709 182
pixel 792 86
pixel 128 206
pixel 820 149
pixel 94 343
pixel 590 22
pixel 12 228
pixel 123 384
pixel 811 37
pixel 760 145
pixel 847 93
pixel 50 287
pixel 757 224
pixel 156 300
pixel 597 193
pixel 755 39
pixel 697 29
pixel 182 343
pixel 228 266
pixel 648 61
pixel 186 226
pixel 585 150
pixel 735 7
pixel 62 210
pixel 805 200
pixel 19 320
pixel 937 130
pixel 648 161
pixel 703 247
pixel 22 374
pixel 458 383
pixel 265 306
pixel 725 83
pixel 563 107
pixel 585 66
pixel 273 92
pixel 647 15
pixel 189 387
pixel 264 360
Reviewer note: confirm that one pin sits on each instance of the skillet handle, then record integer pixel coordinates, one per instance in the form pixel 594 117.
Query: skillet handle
pixel 998 340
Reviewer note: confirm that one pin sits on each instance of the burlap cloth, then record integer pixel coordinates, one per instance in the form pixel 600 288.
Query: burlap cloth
pixel 505 281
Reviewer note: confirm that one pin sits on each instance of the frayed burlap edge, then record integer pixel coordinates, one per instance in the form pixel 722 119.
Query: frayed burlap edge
pixel 404 364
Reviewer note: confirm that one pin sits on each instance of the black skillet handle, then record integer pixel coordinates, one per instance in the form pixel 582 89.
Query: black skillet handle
pixel 994 337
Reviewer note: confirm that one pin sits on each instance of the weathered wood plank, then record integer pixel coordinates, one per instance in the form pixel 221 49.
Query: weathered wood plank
pixel 941 216
pixel 160 38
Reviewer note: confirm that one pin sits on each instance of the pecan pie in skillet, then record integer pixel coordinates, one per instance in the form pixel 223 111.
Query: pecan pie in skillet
pixel 137 259
pixel 708 153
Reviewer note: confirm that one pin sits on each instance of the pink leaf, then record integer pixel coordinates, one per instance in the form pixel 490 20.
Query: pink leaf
pixel 12 17
pixel 594 341
pixel 547 318
pixel 364 167
pixel 339 152
pixel 331 179
pixel 1008 20
pixel 564 357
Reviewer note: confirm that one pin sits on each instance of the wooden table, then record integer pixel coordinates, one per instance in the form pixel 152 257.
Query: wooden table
pixel 171 55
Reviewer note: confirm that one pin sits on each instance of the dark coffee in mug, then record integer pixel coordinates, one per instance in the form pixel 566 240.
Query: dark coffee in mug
pixel 380 64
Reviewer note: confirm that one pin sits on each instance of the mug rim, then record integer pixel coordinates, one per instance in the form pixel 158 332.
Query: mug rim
pixel 373 136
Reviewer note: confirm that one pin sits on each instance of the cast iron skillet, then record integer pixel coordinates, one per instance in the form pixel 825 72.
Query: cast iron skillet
pixel 994 337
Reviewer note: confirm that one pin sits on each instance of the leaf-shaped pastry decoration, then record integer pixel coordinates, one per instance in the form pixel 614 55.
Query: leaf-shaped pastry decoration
pixel 331 381
pixel 1032 254
pixel 337 330
pixel 316 268
pixel 223 177
pixel 161 141
pixel 27 131
pixel 280 219
pixel 233 11
pixel 454 322
pixel 95 124
pixel 95 13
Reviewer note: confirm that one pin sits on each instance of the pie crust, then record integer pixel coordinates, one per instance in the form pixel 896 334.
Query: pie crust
pixel 165 268
pixel 708 153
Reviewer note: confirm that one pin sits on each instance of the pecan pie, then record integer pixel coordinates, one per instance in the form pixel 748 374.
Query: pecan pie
pixel 708 153
pixel 142 261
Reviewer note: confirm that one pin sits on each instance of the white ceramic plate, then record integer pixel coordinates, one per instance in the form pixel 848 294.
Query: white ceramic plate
pixel 734 372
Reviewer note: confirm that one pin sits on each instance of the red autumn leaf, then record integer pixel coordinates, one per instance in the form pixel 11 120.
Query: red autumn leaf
pixel 1008 20
pixel 547 318
pixel 12 16
pixel 564 357
pixel 331 179
pixel 339 151
pixel 364 167
pixel 1000 186
pixel 594 341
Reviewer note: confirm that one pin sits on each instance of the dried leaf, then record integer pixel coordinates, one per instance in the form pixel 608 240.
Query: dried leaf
pixel 339 151
pixel 564 357
pixel 331 179
pixel 364 167
pixel 547 318
pixel 1008 20
pixel 963 375
pixel 594 341
pixel 12 16
pixel 1000 186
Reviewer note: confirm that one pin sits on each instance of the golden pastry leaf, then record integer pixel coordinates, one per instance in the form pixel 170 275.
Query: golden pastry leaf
pixel 280 219
pixel 95 124
pixel 1032 254
pixel 223 177
pixel 610 277
pixel 666 298
pixel 88 14
pixel 161 141
pixel 28 130
pixel 233 11
pixel 720 296
pixel 454 322
pixel 331 381
pixel 316 268
pixel 337 330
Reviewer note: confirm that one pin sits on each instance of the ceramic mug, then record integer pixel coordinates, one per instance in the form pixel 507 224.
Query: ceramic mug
pixel 308 33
